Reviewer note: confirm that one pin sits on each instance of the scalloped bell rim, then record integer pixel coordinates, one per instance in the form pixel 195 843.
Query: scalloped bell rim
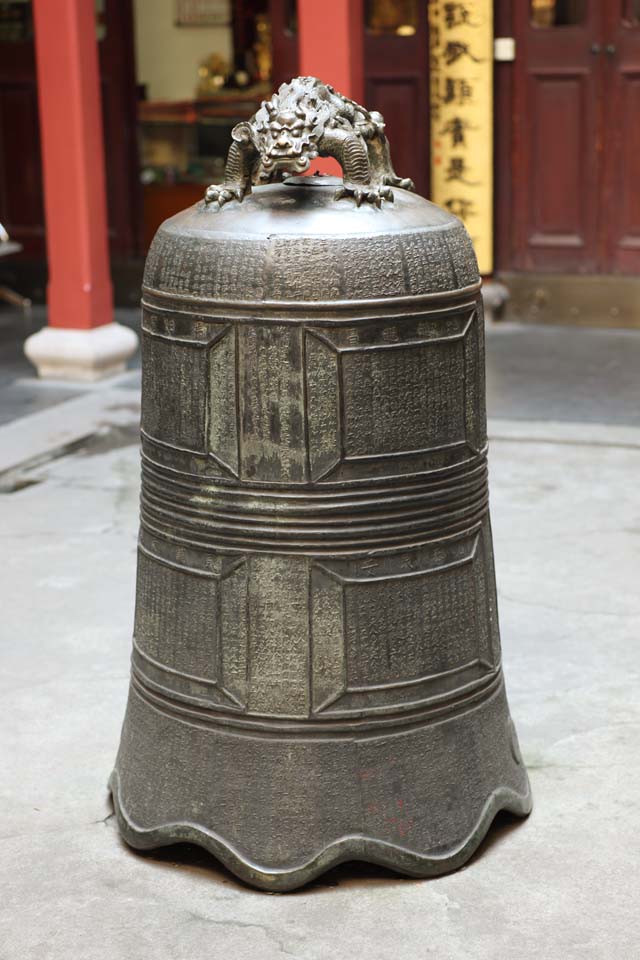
pixel 354 847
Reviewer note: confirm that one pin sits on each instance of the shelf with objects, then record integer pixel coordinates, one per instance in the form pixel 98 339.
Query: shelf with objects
pixel 183 147
pixel 183 141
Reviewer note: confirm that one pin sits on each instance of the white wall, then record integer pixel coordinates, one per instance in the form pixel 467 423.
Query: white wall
pixel 167 57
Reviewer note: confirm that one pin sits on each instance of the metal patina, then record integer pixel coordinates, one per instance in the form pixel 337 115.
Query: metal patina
pixel 316 665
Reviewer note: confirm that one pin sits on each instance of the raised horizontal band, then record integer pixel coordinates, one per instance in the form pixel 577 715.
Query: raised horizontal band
pixel 428 711
pixel 326 312
pixel 210 513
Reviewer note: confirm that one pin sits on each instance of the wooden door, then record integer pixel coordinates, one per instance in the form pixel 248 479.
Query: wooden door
pixel 396 81
pixel 556 159
pixel 21 207
pixel 284 40
pixel 573 201
pixel 119 116
pixel 620 201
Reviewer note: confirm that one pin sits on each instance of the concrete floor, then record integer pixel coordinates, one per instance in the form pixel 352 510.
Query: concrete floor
pixel 20 393
pixel 564 884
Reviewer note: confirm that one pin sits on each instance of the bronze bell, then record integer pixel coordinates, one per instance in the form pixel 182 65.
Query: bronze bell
pixel 316 662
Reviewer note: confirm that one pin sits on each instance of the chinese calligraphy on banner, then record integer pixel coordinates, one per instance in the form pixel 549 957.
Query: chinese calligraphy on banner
pixel 461 56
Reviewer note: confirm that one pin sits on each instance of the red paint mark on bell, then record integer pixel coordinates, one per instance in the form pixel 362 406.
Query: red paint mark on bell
pixel 399 826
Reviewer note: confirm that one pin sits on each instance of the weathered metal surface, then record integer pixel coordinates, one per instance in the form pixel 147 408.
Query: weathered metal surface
pixel 316 666
pixel 306 119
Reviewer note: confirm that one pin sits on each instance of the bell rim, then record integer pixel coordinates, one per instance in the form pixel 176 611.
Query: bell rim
pixel 355 847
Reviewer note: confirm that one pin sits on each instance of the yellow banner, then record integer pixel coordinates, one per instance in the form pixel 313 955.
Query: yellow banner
pixel 461 85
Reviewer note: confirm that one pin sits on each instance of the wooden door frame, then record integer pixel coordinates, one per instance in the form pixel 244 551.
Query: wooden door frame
pixel 18 73
pixel 620 238
pixel 125 203
pixel 119 110
pixel 506 242
pixel 502 143
pixel 384 67
pixel 514 249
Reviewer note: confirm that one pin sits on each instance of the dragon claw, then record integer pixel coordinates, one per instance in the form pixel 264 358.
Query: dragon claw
pixel 365 193
pixel 224 192
pixel 405 183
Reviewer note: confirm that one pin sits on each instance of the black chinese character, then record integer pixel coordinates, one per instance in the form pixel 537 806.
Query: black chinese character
pixel 454 50
pixel 460 207
pixel 456 128
pixel 457 91
pixel 457 15
pixel 456 171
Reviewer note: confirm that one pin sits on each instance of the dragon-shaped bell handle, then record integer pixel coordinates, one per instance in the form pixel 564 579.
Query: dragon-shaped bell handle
pixel 306 119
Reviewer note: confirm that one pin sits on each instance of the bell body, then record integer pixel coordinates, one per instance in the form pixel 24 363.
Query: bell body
pixel 316 667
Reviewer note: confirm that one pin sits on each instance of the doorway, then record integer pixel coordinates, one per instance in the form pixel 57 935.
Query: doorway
pixel 396 74
pixel 570 200
pixel 21 206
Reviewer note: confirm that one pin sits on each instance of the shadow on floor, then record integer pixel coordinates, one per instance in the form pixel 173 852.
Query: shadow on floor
pixel 196 860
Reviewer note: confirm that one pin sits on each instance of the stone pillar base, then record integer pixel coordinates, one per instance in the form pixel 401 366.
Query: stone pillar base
pixel 64 354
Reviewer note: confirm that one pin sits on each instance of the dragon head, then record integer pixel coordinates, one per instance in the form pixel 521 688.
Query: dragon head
pixel 288 137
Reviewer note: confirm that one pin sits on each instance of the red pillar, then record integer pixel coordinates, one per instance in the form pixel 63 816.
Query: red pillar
pixel 331 38
pixel 331 41
pixel 79 293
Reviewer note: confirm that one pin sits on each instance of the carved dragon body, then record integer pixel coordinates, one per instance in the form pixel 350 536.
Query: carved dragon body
pixel 306 119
